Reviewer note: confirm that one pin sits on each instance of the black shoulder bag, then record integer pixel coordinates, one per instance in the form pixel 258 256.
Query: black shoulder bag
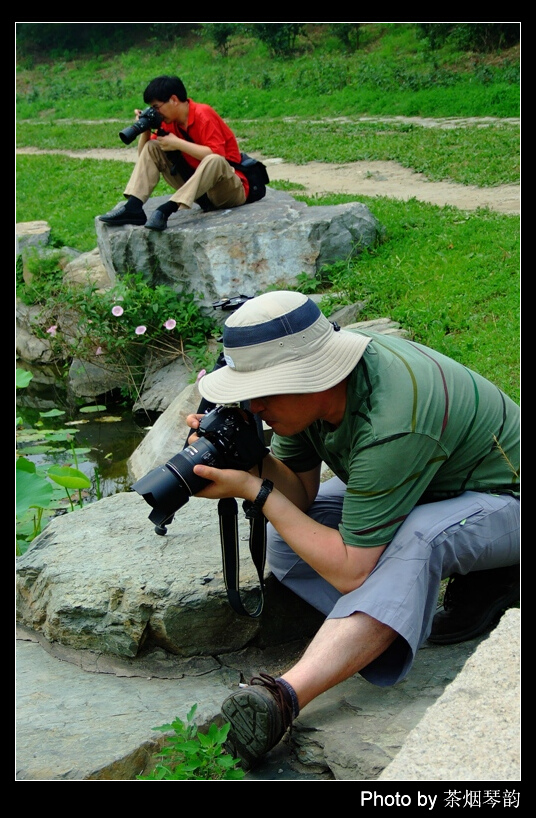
pixel 256 174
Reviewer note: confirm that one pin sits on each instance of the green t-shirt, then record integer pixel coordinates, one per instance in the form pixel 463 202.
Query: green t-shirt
pixel 418 427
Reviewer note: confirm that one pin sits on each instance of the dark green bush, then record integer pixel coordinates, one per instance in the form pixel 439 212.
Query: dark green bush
pixel 347 33
pixel 471 36
pixel 220 34
pixel 279 37
pixel 70 39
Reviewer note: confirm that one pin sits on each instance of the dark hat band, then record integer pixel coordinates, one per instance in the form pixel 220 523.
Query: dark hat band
pixel 290 323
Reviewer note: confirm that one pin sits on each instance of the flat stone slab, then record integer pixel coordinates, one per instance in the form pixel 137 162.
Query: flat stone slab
pixel 84 716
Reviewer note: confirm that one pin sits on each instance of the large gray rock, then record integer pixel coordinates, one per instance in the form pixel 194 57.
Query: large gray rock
pixel 87 268
pixel 29 346
pixel 472 732
pixel 239 250
pixel 162 385
pixel 166 436
pixel 100 579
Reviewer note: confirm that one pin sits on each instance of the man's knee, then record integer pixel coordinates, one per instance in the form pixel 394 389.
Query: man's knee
pixel 214 160
pixel 152 153
pixel 152 149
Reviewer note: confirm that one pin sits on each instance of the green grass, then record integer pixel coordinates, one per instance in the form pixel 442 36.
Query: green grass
pixel 450 277
pixel 392 72
pixel 69 194
pixel 465 155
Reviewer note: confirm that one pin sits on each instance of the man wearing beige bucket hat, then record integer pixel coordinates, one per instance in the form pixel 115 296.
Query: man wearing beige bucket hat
pixel 425 454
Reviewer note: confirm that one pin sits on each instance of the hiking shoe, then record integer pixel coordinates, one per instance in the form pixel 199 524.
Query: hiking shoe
pixel 120 215
pixel 474 603
pixel 259 715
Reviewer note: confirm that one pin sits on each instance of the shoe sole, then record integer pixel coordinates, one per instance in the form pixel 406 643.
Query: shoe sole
pixel 249 735
pixel 490 620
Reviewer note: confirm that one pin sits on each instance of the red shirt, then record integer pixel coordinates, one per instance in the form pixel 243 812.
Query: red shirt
pixel 206 127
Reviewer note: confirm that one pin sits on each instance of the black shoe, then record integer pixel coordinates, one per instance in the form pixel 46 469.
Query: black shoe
pixel 157 221
pixel 120 215
pixel 474 603
pixel 259 715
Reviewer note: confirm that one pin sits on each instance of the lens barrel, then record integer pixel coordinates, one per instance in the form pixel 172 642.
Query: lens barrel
pixel 149 118
pixel 128 135
pixel 167 488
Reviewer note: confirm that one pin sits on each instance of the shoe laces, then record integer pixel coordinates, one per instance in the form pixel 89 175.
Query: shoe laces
pixel 277 692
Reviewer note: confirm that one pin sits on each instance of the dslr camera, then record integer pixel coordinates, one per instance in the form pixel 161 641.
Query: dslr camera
pixel 228 439
pixel 148 120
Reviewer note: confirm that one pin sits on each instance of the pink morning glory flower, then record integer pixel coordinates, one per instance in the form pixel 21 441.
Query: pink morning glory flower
pixel 53 329
pixel 170 323
pixel 99 351
pixel 140 330
pixel 117 311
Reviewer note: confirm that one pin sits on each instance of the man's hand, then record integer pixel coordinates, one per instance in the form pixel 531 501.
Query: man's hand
pixel 193 422
pixel 170 142
pixel 227 483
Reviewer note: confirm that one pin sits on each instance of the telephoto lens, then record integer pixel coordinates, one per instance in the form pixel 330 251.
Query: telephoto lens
pixel 148 119
pixel 169 487
pixel 228 438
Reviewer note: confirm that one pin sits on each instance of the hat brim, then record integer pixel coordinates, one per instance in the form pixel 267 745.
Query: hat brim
pixel 314 373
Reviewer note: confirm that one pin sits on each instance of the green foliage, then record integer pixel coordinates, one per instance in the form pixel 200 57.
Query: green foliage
pixel 470 155
pixel 471 36
pixel 347 33
pixel 126 324
pixel 190 755
pixel 280 38
pixel 70 39
pixel 37 494
pixel 220 34
pixel 75 191
pixel 392 72
pixel 450 278
pixel 465 155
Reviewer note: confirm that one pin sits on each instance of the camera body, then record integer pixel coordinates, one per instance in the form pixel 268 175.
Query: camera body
pixel 148 120
pixel 228 439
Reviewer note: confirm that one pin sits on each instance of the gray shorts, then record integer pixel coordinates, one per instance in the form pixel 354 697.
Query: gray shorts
pixel 472 532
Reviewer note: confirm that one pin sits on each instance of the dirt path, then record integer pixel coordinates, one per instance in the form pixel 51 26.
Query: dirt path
pixel 365 178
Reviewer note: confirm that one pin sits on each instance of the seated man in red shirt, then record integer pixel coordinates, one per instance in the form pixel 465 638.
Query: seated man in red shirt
pixel 207 147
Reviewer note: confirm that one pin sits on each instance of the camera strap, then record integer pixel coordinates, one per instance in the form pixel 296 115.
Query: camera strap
pixel 228 514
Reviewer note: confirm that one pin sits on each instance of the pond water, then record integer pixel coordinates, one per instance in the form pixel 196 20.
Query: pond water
pixel 103 440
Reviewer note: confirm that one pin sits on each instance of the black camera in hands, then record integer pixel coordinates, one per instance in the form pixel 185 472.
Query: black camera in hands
pixel 228 439
pixel 148 120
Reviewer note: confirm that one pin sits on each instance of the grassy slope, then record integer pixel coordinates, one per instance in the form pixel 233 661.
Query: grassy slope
pixel 451 278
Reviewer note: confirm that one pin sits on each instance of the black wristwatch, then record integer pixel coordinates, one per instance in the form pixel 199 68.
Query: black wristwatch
pixel 254 509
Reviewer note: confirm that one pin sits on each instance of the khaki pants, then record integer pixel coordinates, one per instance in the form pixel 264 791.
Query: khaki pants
pixel 214 176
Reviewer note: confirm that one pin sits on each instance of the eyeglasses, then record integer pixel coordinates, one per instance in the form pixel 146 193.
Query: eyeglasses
pixel 157 107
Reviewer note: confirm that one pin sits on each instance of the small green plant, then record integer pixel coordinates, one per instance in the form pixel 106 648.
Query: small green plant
pixel 189 755
pixel 127 325
pixel 42 489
